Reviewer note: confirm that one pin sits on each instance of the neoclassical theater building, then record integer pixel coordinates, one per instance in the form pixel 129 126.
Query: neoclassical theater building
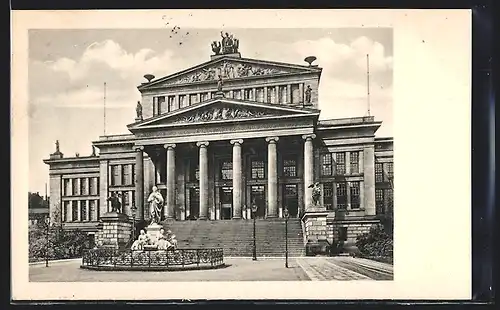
pixel 226 135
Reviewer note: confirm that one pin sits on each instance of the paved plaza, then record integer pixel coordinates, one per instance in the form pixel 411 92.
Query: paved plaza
pixel 237 269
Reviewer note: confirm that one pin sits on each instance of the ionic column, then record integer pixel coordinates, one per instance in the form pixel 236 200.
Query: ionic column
pixel 308 168
pixel 139 181
pixel 265 95
pixel 169 209
pixel 272 177
pixel 237 181
pixel 87 208
pixel 277 94
pixel 203 179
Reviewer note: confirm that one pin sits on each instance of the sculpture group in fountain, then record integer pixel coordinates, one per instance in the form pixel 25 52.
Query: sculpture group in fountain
pixel 161 241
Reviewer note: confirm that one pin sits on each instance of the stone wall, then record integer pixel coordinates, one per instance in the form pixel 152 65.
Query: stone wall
pixel 354 229
pixel 115 231
pixel 315 226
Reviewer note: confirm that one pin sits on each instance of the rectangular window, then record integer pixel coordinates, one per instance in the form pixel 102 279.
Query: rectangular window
pixel 74 211
pixel 75 187
pixel 97 208
pixel 379 200
pixel 328 195
pixel 289 167
pixel 389 170
pixel 161 105
pixel 66 207
pixel 340 163
pixel 125 199
pixel 171 103
pixel 341 195
pixel 92 210
pixel 354 162
pixel 92 188
pixel 116 175
pixel 126 175
pixel 355 200
pixel 258 169
pixel 326 164
pixel 379 173
pixel 66 188
pixel 84 189
pixel 205 96
pixel 83 210
pixel 132 167
pixel 226 170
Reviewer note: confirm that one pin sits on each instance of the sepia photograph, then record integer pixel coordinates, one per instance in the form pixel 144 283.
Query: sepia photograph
pixel 216 153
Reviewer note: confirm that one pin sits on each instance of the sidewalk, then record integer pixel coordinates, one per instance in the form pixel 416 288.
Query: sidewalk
pixel 55 261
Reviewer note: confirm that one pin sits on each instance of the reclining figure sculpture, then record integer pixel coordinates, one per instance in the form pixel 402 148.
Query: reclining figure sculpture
pixel 165 241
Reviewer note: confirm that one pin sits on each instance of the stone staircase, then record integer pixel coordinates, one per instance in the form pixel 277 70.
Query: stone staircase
pixel 236 236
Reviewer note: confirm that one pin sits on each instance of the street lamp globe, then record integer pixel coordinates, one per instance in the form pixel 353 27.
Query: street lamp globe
pixel 254 208
pixel 286 213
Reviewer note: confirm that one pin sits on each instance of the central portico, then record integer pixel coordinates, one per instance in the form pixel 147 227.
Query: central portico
pixel 215 159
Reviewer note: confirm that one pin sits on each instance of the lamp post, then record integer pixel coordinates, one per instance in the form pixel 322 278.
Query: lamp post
pixel 254 210
pixel 287 215
pixel 134 212
pixel 47 222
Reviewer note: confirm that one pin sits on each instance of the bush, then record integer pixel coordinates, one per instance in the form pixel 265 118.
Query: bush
pixel 61 243
pixel 376 243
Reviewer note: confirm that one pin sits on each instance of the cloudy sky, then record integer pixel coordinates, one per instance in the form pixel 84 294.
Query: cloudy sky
pixel 68 68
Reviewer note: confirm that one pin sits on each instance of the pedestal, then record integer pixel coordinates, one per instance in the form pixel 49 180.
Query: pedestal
pixel 115 231
pixel 152 231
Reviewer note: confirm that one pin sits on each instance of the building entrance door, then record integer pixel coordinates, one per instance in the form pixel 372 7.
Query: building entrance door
pixel 194 203
pixel 258 197
pixel 291 199
pixel 226 202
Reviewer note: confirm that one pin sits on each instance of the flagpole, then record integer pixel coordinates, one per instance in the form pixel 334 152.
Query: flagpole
pixel 104 108
pixel 368 81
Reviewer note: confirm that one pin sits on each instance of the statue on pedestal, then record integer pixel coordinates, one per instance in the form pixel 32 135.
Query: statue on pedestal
pixel 316 193
pixel 219 83
pixel 308 94
pixel 138 110
pixel 155 200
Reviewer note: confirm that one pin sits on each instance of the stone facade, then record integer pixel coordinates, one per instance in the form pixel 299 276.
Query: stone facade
pixel 213 154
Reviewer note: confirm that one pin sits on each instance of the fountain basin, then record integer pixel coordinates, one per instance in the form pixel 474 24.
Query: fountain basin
pixel 152 260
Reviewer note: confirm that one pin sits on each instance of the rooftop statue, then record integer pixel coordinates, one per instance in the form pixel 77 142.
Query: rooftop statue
pixel 228 44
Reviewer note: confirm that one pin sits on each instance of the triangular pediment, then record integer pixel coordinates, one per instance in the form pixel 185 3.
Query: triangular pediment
pixel 221 111
pixel 230 69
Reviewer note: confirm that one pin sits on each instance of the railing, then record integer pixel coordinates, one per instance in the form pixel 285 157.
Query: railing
pixel 153 259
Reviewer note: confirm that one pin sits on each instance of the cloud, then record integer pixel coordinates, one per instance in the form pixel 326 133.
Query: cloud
pixel 90 97
pixel 114 57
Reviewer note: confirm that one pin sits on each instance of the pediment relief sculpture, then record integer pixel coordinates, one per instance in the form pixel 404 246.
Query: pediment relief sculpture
pixel 222 113
pixel 228 70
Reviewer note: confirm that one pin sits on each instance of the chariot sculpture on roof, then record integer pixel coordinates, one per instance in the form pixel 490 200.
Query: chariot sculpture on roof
pixel 228 45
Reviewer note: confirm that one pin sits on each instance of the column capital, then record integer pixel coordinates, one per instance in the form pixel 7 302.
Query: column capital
pixel 309 137
pixel 236 141
pixel 272 139
pixel 202 144
pixel 138 148
pixel 169 146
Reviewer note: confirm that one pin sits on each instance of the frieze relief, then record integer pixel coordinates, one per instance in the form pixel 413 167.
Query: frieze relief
pixel 180 131
pixel 228 70
pixel 221 113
